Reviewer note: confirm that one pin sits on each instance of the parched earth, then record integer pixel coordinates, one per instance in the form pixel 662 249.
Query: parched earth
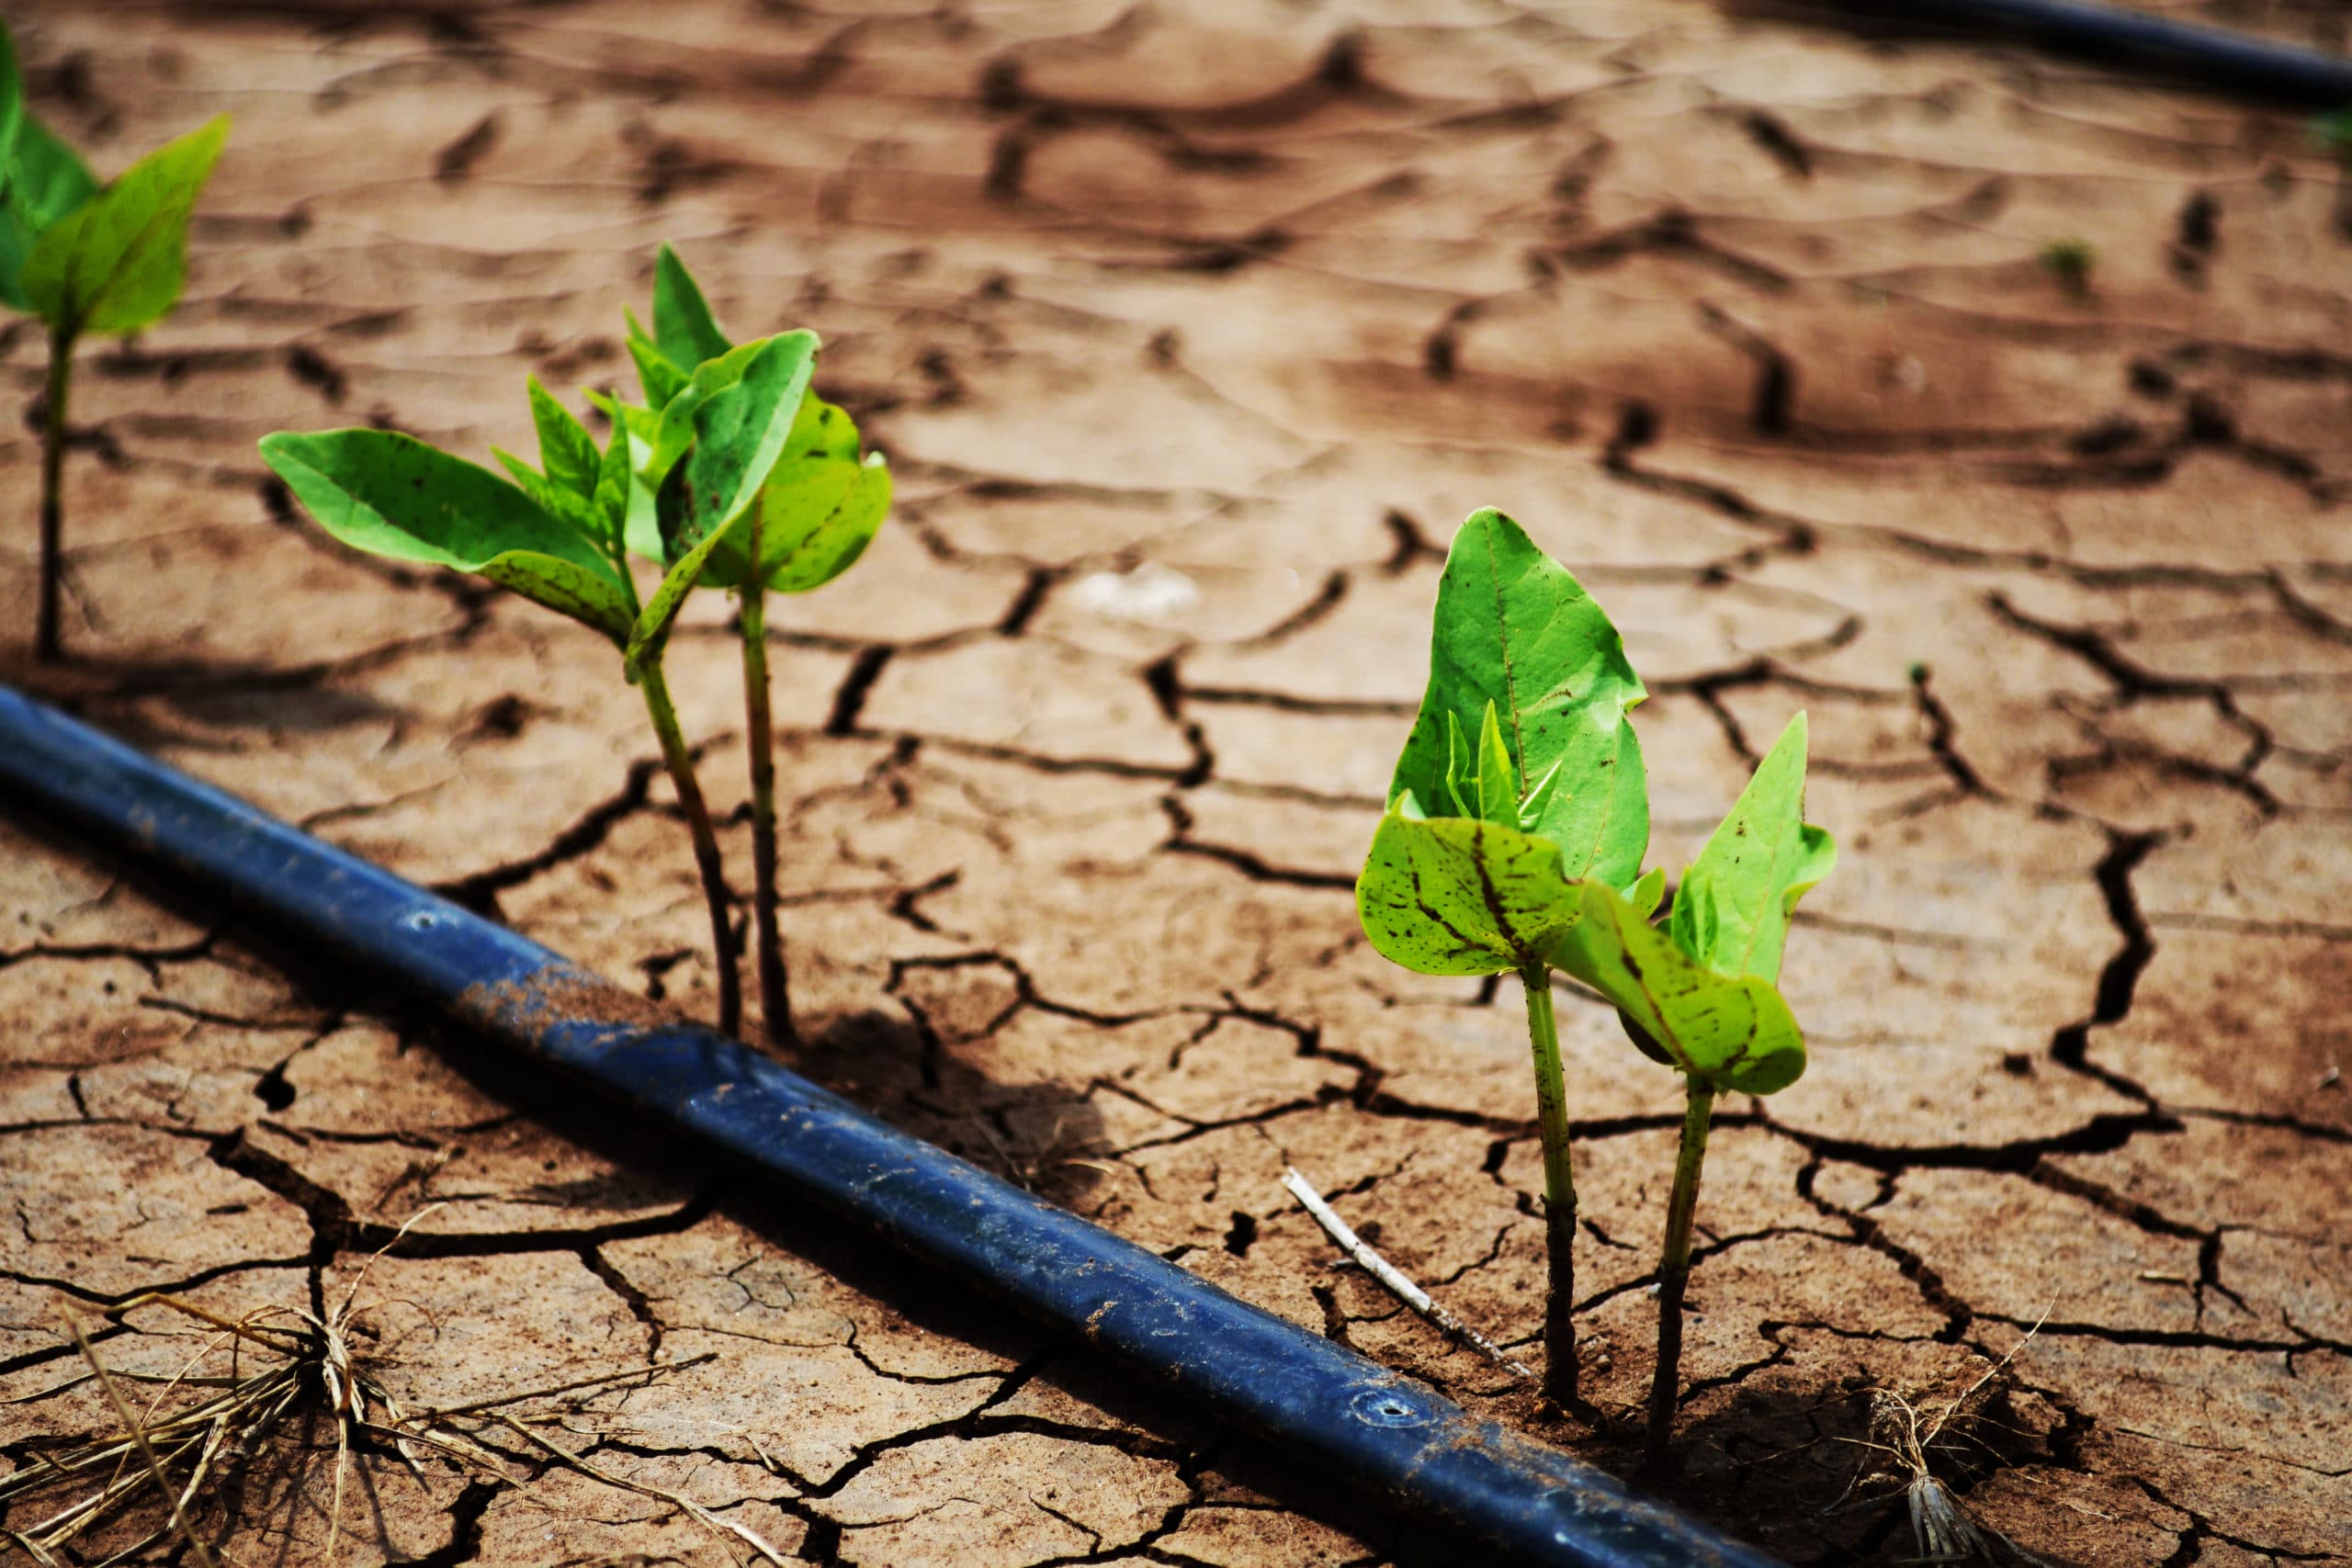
pixel 1191 330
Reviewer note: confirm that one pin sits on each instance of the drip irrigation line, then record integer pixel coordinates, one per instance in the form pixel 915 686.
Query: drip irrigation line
pixel 2213 55
pixel 1328 1409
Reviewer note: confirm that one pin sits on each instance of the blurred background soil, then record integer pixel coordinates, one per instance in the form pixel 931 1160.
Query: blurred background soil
pixel 1190 331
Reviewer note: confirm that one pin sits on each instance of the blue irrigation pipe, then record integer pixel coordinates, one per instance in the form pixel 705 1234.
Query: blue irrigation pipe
pixel 1327 1408
pixel 2215 55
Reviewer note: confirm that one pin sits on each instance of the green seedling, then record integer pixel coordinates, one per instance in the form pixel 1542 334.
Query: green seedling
pixel 814 515
pixel 1519 788
pixel 1701 996
pixel 87 260
pixel 2071 262
pixel 1517 824
pixel 558 534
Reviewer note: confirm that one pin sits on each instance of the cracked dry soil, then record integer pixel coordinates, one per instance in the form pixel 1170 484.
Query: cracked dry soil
pixel 1741 313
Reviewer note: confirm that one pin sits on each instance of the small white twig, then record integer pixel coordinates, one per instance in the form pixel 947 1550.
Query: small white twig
pixel 1380 1268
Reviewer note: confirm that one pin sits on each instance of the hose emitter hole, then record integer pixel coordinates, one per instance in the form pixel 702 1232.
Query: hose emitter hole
pixel 1386 1407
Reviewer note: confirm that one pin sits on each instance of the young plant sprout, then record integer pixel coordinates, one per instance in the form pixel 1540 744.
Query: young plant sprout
pixel 1519 786
pixel 558 535
pixel 1701 996
pixel 811 521
pixel 1517 823
pixel 2071 262
pixel 87 260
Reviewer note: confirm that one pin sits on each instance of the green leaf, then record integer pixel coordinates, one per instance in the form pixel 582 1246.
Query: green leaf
pixel 1731 911
pixel 661 378
pixel 682 324
pixel 673 429
pixel 1513 629
pixel 572 510
pixel 45 180
pixel 640 532
pixel 807 550
pixel 615 486
pixel 393 495
pixel 567 451
pixel 587 595
pixel 818 510
pixel 1456 896
pixel 1483 782
pixel 1645 895
pixel 117 263
pixel 738 432
pixel 1735 1032
pixel 641 423
pixel 12 94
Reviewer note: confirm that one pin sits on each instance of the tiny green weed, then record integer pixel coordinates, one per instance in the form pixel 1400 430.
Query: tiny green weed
pixel 2071 263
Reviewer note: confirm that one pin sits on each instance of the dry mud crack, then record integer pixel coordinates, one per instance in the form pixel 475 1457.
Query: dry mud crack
pixel 1191 330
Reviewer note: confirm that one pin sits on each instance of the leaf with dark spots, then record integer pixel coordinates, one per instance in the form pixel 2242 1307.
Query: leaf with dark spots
pixel 1735 1032
pixel 1513 629
pixel 1454 896
pixel 567 452
pixel 1732 909
pixel 738 434
pixel 393 495
pixel 821 507
pixel 673 427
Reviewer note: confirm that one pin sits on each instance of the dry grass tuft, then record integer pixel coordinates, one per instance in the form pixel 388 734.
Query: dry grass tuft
pixel 1908 1436
pixel 199 1425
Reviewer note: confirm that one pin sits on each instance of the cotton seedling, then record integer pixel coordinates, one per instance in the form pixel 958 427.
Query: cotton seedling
pixel 1519 786
pixel 1701 995
pixel 87 261
pixel 1517 823
pixel 812 519
pixel 558 534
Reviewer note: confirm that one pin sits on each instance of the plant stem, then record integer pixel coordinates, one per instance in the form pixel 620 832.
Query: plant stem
pixel 1674 1274
pixel 1559 1192
pixel 775 999
pixel 47 645
pixel 681 764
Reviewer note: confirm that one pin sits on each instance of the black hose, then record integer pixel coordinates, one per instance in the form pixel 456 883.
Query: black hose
pixel 1329 1410
pixel 2213 55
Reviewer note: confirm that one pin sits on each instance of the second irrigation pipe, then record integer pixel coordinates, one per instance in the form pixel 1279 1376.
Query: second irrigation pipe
pixel 1330 1411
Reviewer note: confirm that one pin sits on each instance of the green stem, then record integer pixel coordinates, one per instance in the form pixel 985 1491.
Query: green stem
pixel 47 644
pixel 1674 1274
pixel 681 763
pixel 1559 1190
pixel 775 999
